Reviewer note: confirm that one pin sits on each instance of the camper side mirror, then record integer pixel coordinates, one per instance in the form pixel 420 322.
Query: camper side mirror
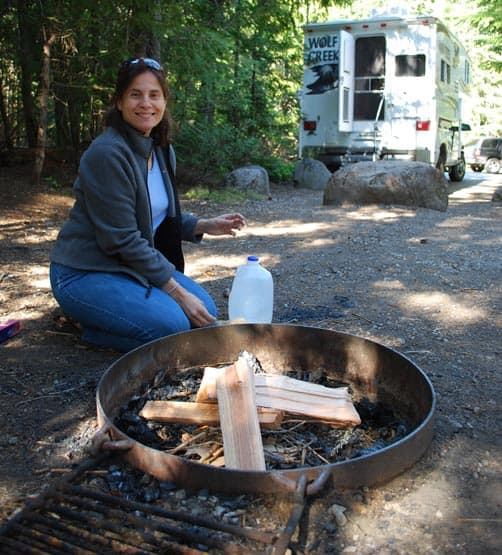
pixel 463 127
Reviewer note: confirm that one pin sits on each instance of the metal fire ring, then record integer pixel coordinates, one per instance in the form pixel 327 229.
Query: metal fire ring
pixel 372 370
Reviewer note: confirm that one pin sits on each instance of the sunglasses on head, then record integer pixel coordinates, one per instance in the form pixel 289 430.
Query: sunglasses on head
pixel 150 62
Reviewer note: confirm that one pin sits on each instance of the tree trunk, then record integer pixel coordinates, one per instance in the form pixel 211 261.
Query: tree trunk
pixel 148 44
pixel 236 116
pixel 7 127
pixel 63 136
pixel 43 101
pixel 25 60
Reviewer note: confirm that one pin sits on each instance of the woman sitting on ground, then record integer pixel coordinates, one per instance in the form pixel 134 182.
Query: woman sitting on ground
pixel 117 266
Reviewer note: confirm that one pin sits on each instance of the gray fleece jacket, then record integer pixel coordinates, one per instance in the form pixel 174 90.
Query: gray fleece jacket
pixel 109 228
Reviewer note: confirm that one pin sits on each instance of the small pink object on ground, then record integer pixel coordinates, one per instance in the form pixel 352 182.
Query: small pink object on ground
pixel 9 329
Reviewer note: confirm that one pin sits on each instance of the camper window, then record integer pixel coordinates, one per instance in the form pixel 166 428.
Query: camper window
pixel 410 65
pixel 445 72
pixel 467 72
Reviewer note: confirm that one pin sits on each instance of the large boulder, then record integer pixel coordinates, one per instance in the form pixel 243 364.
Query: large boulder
pixel 254 178
pixel 311 174
pixel 497 195
pixel 388 182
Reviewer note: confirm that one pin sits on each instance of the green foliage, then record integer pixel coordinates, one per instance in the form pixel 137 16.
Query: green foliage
pixel 480 26
pixel 215 150
pixel 278 169
pixel 487 20
pixel 52 182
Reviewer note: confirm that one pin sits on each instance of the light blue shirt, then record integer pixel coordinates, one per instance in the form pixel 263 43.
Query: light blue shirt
pixel 159 200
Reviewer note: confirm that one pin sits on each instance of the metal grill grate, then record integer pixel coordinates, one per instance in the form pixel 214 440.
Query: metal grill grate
pixel 71 518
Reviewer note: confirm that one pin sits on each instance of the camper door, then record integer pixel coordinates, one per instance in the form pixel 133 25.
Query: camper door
pixel 328 94
pixel 346 80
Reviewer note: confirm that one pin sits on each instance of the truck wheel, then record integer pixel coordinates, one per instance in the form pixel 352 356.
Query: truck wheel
pixel 457 172
pixel 443 154
pixel 475 168
pixel 493 165
pixel 333 166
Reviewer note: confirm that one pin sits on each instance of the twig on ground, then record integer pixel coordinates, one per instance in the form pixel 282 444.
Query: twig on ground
pixel 52 332
pixel 362 317
pixel 54 394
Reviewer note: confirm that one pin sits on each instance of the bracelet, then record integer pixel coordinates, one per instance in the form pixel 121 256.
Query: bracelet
pixel 173 288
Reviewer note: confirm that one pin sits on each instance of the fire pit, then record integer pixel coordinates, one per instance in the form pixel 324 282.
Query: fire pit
pixel 371 370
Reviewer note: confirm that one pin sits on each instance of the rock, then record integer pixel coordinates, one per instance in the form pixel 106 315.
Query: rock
pixel 180 494
pixel 311 174
pixel 497 195
pixel 150 493
pixel 451 425
pixel 254 178
pixel 338 512
pixel 388 182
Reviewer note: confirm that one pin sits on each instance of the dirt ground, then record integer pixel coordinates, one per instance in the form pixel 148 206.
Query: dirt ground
pixel 423 282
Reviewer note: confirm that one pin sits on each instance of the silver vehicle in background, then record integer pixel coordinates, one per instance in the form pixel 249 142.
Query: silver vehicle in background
pixel 485 154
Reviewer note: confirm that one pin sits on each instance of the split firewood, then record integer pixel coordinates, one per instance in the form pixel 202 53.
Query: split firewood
pixel 207 388
pixel 201 413
pixel 242 442
pixel 333 405
pixel 299 397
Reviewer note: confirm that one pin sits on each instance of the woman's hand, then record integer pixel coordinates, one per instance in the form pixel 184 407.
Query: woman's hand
pixel 226 224
pixel 192 306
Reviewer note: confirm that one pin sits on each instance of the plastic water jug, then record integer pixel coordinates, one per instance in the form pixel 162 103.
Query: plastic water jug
pixel 252 293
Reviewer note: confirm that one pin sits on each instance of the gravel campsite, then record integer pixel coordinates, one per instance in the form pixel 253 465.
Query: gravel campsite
pixel 423 282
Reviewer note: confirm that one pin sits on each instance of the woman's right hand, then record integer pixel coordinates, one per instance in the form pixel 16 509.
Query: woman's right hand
pixel 192 306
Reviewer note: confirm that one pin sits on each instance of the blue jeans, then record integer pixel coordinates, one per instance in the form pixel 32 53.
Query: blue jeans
pixel 116 311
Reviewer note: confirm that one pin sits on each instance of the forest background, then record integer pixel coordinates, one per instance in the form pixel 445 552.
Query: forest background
pixel 234 68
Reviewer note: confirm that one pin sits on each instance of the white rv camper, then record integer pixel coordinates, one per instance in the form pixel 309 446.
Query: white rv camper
pixel 384 87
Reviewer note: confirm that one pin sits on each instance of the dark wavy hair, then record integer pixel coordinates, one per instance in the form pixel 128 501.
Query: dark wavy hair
pixel 162 133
